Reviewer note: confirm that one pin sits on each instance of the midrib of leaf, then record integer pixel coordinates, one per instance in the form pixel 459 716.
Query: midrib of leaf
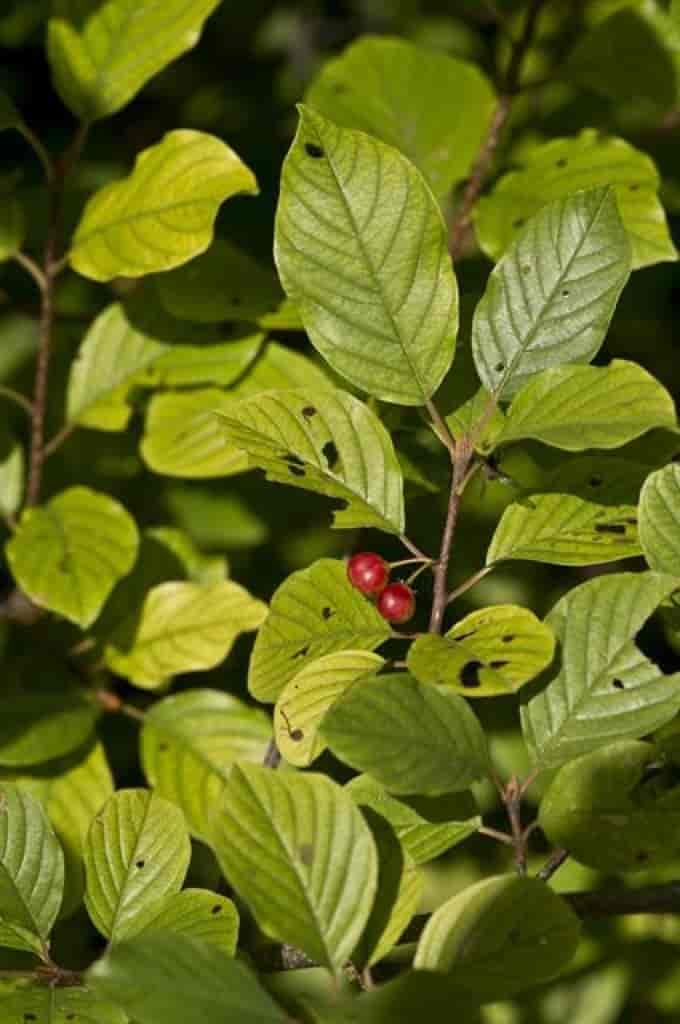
pixel 369 263
pixel 292 859
pixel 32 923
pixel 538 319
pixel 128 872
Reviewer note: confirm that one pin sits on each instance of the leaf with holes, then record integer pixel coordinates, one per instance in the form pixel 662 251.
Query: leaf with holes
pixel 185 627
pixel 44 711
pixel 557 169
pixel 314 612
pixel 201 914
pixel 63 563
pixel 580 407
pixel 71 790
pixel 161 976
pixel 31 872
pixel 660 519
pixel 402 94
pixel 426 826
pixel 492 651
pixel 400 887
pixel 550 298
pixel 47 1004
pixel 307 697
pixel 116 355
pixel 137 850
pixel 561 529
pixel 298 851
pixel 500 936
pixel 330 443
pixel 410 736
pixel 361 249
pixel 606 689
pixel 163 213
pixel 616 809
pixel 189 743
pixel 102 52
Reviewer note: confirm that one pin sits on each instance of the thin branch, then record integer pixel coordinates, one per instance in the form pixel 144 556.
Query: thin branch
pixel 619 902
pixel 272 757
pixel 493 833
pixel 17 398
pixel 469 583
pixel 459 476
pixel 58 439
pixel 39 150
pixel 410 546
pixel 32 268
pixel 443 429
pixel 554 861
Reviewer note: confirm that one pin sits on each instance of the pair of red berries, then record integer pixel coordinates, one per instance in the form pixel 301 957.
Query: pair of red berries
pixel 370 574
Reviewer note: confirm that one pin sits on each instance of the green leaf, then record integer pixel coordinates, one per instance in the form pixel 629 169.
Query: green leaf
pixel 71 790
pixel 165 978
pixel 33 1001
pixel 361 249
pixel 117 356
pixel 189 743
pixel 201 914
pixel 556 169
pixel 551 297
pixel 415 995
pixel 425 826
pixel 561 529
pixel 31 872
pixel 9 115
pixel 11 474
pixel 224 283
pixel 163 213
pixel 500 936
pixel 185 627
pixel 580 407
pixel 314 612
pixel 432 107
pixel 12 224
pixel 606 689
pixel 199 568
pixel 410 736
pixel 330 443
pixel 298 851
pixel 137 851
pixel 616 810
pixel 65 565
pixel 44 713
pixel 307 696
pixel 102 52
pixel 660 519
pixel 492 651
pixel 397 899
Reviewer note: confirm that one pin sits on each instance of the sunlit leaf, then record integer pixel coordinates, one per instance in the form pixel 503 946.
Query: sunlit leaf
pixel 11 474
pixel 201 914
pixel 189 743
pixel 361 249
pixel 556 169
pixel 137 850
pixel 403 94
pixel 330 443
pixel 580 407
pixel 45 1004
pixel 314 612
pixel 550 298
pixel 31 872
pixel 163 213
pixel 660 519
pixel 304 833
pixel 492 651
pixel 102 52
pixel 410 736
pixel 185 627
pixel 562 529
pixel 606 689
pixel 308 695
pixel 500 936
pixel 66 565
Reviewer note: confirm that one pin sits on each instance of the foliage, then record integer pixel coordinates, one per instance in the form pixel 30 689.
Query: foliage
pixel 449 344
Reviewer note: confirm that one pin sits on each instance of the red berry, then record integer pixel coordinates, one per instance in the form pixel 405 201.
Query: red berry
pixel 397 603
pixel 368 572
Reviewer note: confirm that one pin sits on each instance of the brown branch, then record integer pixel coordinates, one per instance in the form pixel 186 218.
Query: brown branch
pixel 554 861
pixel 461 472
pixel 272 757
pixel 482 167
pixel 619 902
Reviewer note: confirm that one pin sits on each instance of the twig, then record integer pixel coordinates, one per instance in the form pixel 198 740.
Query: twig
pixel 468 583
pixel 493 833
pixel 111 702
pixel 459 476
pixel 32 268
pixel 484 161
pixel 443 429
pixel 58 439
pixel 410 546
pixel 272 757
pixel 651 899
pixel 512 798
pixel 39 150
pixel 554 861
pixel 17 398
